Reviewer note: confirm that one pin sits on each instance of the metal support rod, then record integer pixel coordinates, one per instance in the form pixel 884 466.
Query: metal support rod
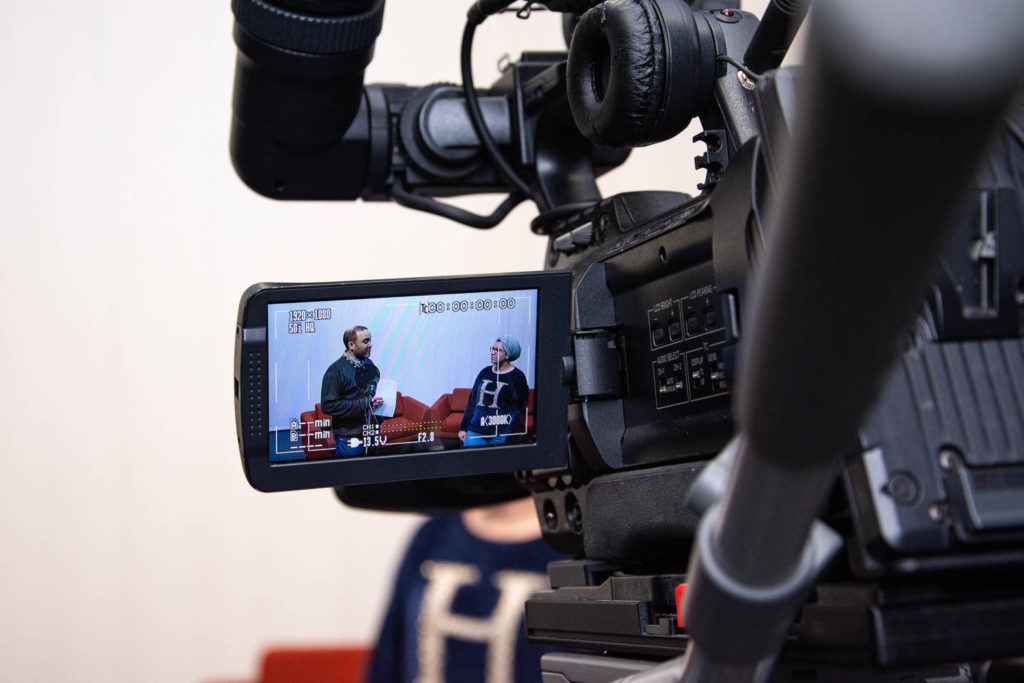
pixel 899 103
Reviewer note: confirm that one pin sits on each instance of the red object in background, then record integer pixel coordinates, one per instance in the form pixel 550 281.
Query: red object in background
pixel 312 665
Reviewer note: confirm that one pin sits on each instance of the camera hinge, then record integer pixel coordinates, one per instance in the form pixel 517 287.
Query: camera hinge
pixel 595 368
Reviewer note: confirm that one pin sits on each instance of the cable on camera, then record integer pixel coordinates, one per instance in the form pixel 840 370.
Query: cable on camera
pixel 739 67
pixel 478 12
pixel 405 198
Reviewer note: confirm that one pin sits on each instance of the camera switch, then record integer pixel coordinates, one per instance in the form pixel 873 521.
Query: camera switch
pixel 564 243
pixel 659 335
pixel 680 597
pixel 692 323
pixel 675 330
pixel 583 235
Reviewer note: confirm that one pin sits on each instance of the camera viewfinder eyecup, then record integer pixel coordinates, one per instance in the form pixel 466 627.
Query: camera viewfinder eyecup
pixel 312 27
pixel 298 90
pixel 300 75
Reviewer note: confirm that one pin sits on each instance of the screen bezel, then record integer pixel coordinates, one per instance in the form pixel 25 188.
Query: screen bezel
pixel 554 295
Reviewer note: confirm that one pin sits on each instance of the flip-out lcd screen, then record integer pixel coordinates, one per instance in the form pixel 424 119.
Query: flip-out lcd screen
pixel 416 374
pixel 341 384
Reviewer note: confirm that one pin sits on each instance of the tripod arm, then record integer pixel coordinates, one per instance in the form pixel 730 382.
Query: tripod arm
pixel 893 123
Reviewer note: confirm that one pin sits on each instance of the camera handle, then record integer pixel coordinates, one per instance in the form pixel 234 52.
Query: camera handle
pixel 893 124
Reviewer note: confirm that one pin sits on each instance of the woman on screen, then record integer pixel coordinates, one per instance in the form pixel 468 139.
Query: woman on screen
pixel 496 410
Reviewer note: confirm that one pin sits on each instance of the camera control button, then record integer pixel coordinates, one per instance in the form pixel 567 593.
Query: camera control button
pixel 709 318
pixel 583 235
pixel 563 243
pixel 675 330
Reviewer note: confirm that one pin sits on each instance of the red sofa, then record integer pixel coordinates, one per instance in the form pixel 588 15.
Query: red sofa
pixel 318 441
pixel 446 413
pixel 315 665
pixel 409 419
pixel 311 664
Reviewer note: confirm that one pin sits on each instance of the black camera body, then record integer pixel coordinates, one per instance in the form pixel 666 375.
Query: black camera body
pixel 662 287
pixel 667 287
pixel 929 490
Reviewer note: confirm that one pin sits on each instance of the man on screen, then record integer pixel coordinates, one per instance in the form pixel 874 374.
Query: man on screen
pixel 496 410
pixel 347 392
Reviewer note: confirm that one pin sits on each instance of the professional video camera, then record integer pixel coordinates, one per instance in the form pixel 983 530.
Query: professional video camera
pixel 791 317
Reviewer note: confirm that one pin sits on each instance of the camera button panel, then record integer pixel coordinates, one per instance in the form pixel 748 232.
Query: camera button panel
pixel 688 338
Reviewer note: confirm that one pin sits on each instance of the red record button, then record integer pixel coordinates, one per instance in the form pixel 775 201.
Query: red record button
pixel 680 592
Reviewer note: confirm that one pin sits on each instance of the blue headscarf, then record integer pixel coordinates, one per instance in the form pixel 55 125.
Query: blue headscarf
pixel 512 348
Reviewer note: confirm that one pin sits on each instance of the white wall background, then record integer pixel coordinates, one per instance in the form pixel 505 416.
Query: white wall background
pixel 131 548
